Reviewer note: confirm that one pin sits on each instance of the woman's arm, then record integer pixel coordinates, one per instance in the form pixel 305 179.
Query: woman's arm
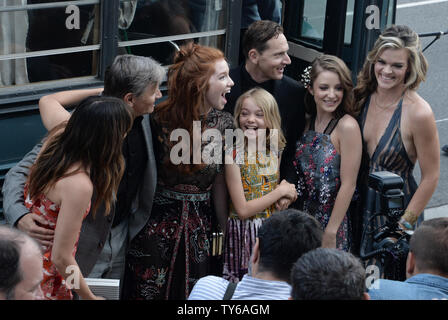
pixel 426 143
pixel 74 194
pixel 52 107
pixel 246 209
pixel 350 149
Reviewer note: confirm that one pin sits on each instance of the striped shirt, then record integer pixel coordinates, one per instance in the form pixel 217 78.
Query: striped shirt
pixel 249 288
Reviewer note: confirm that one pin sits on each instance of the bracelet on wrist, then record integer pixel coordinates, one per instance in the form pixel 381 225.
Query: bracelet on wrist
pixel 410 216
pixel 406 224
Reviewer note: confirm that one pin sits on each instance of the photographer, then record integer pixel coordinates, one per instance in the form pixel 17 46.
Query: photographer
pixel 426 267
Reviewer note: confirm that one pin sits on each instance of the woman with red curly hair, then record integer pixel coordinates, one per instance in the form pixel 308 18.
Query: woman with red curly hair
pixel 173 250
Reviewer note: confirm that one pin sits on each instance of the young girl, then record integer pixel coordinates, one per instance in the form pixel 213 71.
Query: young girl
pixel 252 178
pixel 81 155
pixel 328 155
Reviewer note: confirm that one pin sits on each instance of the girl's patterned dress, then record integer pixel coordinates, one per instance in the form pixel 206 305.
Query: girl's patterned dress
pixel 172 251
pixel 258 178
pixel 53 285
pixel 318 168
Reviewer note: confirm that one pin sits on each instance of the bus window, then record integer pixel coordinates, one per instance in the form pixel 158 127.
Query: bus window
pixel 313 21
pixel 349 22
pixel 178 22
pixel 48 40
pixel 391 12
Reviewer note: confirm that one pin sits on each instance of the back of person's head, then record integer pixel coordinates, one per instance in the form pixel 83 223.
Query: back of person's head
pixel 20 266
pixel 267 103
pixel 132 74
pixel 283 238
pixel 429 244
pixel 328 274
pixel 92 137
pixel 326 62
pixel 258 34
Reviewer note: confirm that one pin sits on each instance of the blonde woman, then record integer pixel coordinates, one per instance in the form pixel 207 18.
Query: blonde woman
pixel 252 178
pixel 398 125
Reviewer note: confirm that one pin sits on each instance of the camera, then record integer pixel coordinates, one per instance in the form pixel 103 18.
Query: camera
pixel 383 240
pixel 388 187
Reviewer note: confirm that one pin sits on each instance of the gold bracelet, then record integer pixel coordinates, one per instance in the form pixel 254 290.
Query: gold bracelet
pixel 410 216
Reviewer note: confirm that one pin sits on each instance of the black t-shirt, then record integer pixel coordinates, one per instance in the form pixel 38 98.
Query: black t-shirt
pixel 248 83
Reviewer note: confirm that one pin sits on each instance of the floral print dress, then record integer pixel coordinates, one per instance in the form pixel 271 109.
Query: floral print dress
pixel 53 284
pixel 318 168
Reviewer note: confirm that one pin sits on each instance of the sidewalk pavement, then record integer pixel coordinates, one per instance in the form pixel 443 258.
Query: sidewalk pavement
pixel 436 212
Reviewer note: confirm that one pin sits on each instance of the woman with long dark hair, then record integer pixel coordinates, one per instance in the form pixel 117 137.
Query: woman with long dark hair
pixel 80 157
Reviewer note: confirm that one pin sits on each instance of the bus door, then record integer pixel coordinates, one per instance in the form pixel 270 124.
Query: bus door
pixel 345 28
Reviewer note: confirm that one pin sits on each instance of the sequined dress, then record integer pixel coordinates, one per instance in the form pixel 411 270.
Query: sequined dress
pixel 318 168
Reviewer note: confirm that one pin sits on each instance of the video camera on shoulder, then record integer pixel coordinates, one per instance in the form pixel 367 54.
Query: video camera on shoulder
pixel 390 196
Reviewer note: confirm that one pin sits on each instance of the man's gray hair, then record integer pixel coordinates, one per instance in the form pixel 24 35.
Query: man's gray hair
pixel 132 74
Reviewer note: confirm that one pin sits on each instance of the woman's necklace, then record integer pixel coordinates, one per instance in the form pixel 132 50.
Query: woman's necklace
pixel 387 106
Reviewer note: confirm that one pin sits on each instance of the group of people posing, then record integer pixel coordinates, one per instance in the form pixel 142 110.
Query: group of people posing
pixel 102 193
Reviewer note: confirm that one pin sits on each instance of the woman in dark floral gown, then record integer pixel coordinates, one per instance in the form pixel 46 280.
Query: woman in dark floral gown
pixel 173 250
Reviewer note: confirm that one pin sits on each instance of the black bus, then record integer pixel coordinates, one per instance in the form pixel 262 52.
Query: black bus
pixel 49 45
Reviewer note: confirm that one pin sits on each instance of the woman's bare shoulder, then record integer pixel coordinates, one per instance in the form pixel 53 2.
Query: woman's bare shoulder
pixel 76 185
pixel 418 108
pixel 348 124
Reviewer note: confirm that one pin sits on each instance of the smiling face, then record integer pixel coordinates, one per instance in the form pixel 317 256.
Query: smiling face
pixel 251 118
pixel 219 85
pixel 271 63
pixel 390 68
pixel 327 91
